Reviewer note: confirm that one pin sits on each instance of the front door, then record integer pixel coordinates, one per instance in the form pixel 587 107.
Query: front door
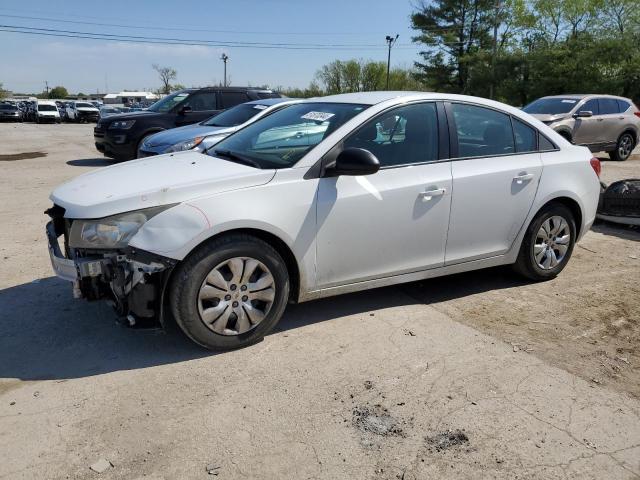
pixel 203 105
pixel 394 221
pixel 588 130
pixel 495 179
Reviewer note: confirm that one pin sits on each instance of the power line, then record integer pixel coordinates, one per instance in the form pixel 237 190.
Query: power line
pixel 208 30
pixel 222 43
pixel 196 42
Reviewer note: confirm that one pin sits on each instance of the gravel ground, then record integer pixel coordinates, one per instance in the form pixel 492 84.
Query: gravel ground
pixel 478 375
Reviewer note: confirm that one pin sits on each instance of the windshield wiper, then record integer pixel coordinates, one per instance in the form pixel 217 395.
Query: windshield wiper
pixel 237 158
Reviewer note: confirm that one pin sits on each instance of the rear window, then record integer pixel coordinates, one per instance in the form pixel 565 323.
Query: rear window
pixel 623 105
pixel 551 106
pixel 6 106
pixel 47 108
pixel 85 105
pixel 231 99
pixel 235 115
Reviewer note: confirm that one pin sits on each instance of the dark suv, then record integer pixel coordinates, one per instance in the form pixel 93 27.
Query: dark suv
pixel 118 136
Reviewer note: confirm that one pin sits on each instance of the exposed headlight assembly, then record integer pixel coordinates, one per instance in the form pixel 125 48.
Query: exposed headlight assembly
pixel 111 232
pixel 122 124
pixel 186 145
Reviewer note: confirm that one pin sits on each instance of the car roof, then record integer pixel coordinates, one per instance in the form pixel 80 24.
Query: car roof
pixel 586 95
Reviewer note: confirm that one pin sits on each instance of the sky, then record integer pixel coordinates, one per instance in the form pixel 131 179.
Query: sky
pixel 352 28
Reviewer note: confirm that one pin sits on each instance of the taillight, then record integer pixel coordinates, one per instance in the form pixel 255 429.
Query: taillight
pixel 637 114
pixel 595 164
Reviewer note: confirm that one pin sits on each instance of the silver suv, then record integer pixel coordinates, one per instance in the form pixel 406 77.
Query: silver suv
pixel 600 122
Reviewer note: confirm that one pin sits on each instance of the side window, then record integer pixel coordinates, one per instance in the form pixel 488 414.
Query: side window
pixel 525 137
pixel 405 135
pixel 591 106
pixel 231 99
pixel 623 105
pixel 608 106
pixel 482 132
pixel 202 101
pixel 545 144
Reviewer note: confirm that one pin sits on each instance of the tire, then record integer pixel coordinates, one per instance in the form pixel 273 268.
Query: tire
pixel 624 146
pixel 527 264
pixel 566 136
pixel 196 302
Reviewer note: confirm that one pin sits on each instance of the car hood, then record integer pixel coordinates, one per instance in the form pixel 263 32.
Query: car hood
pixel 181 134
pixel 87 109
pixel 548 118
pixel 151 182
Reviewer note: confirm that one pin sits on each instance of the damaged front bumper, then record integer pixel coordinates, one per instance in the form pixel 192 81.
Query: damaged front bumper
pixel 131 280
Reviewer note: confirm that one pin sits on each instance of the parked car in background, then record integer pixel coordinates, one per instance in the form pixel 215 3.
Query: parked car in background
pixel 120 136
pixel 96 103
pixel 203 135
pixel 10 112
pixel 108 111
pixel 47 112
pixel 376 189
pixel 600 122
pixel 82 112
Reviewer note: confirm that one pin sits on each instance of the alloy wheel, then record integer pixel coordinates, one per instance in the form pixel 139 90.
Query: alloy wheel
pixel 625 146
pixel 552 242
pixel 236 296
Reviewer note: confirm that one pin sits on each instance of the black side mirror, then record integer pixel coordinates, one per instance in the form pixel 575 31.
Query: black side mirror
pixel 583 114
pixel 185 109
pixel 354 161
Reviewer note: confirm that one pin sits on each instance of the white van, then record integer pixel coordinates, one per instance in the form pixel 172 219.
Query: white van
pixel 47 112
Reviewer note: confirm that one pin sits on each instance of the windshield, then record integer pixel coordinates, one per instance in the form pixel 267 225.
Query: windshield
pixel 47 108
pixel 6 106
pixel 85 105
pixel 235 115
pixel 168 102
pixel 551 106
pixel 281 139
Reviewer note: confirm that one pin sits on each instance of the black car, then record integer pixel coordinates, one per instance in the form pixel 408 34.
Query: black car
pixel 10 112
pixel 118 136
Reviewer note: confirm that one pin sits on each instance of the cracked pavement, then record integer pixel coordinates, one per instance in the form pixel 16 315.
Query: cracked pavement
pixel 76 388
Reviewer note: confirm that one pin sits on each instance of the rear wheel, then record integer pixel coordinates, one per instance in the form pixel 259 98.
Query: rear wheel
pixel 547 244
pixel 230 293
pixel 624 147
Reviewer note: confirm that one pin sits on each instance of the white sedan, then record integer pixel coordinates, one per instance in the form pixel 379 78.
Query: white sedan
pixel 328 196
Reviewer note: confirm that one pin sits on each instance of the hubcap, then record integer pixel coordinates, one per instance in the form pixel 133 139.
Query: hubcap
pixel 626 146
pixel 236 296
pixel 552 242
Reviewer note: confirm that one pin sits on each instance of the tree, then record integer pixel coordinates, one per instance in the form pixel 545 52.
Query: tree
pixel 3 92
pixel 177 86
pixel 58 92
pixel 166 74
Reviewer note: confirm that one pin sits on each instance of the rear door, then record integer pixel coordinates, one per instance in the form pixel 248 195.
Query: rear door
pixel 203 104
pixel 495 171
pixel 611 119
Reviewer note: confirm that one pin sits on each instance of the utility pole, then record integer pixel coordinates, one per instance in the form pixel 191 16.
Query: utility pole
pixel 46 87
pixel 224 58
pixel 390 42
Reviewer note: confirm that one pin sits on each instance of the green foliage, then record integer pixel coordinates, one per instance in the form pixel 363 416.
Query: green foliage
pixel 3 92
pixel 541 47
pixel 58 92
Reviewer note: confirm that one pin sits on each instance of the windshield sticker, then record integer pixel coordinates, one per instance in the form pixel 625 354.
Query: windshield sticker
pixel 318 116
pixel 569 101
pixel 260 107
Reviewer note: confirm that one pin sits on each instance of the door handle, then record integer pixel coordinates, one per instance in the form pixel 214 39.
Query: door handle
pixel 525 177
pixel 429 194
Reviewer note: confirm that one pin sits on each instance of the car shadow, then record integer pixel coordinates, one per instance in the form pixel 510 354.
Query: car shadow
pixel 46 335
pixel 626 232
pixel 91 162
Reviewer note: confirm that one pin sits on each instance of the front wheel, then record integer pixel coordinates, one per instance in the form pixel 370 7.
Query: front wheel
pixel 624 147
pixel 230 293
pixel 547 244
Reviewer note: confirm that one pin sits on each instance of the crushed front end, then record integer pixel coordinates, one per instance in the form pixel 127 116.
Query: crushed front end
pixel 132 280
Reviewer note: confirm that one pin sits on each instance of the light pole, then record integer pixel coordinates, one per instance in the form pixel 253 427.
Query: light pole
pixel 390 42
pixel 224 58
